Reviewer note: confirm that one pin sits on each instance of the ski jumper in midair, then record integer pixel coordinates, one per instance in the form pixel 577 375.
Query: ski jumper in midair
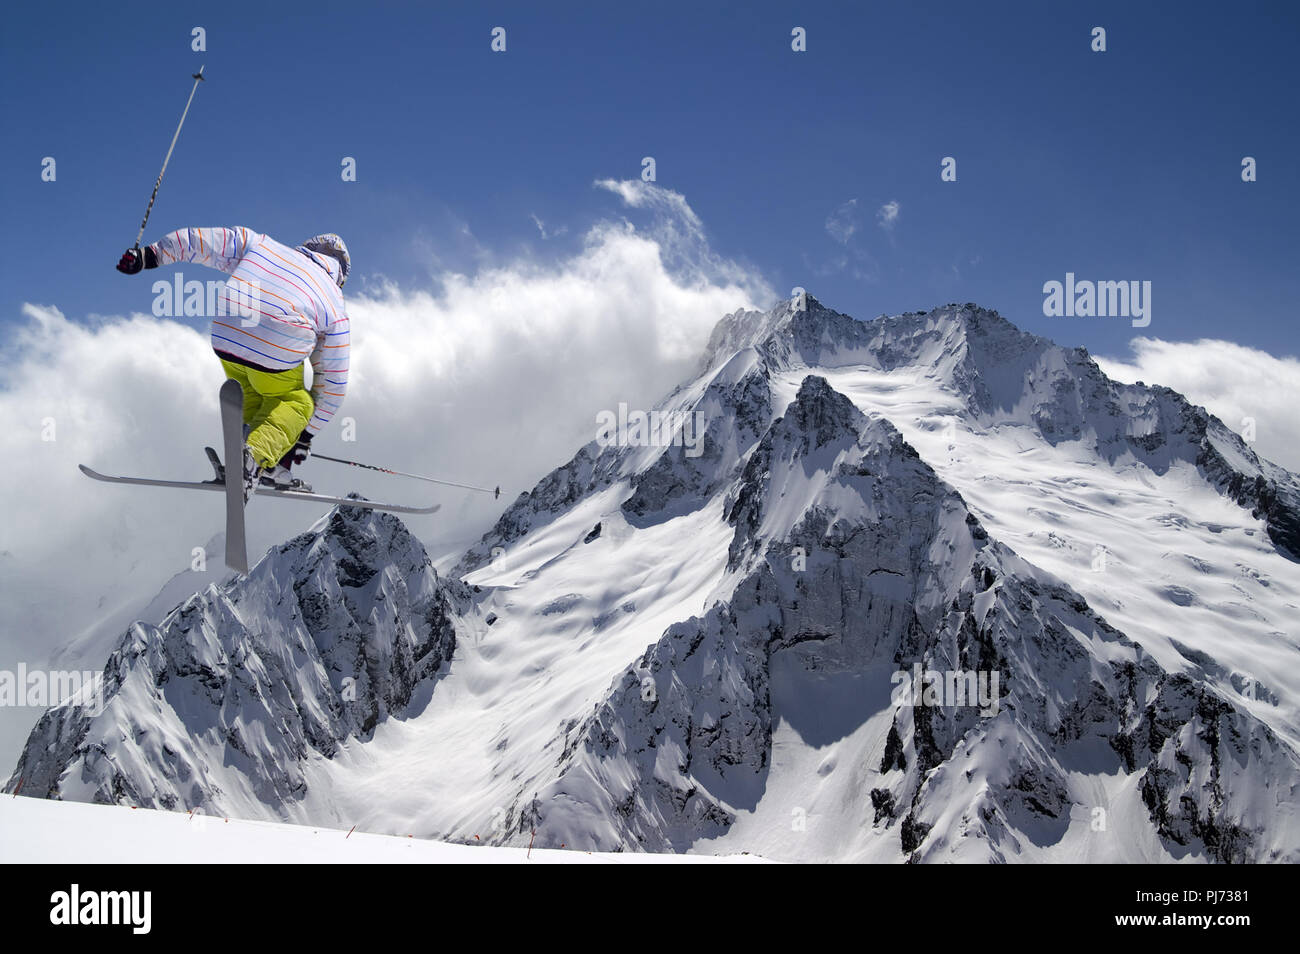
pixel 283 306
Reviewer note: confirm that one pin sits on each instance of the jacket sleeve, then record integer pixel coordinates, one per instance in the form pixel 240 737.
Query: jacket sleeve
pixel 329 368
pixel 217 248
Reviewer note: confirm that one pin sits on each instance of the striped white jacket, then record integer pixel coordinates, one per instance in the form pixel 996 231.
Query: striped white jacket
pixel 283 306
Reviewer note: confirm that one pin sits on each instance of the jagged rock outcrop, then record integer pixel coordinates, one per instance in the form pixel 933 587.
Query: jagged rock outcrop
pixel 219 707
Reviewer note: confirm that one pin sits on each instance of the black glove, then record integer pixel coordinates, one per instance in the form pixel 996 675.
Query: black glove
pixel 299 452
pixel 134 259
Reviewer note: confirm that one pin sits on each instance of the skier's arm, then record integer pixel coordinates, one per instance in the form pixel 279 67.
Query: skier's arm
pixel 217 248
pixel 329 368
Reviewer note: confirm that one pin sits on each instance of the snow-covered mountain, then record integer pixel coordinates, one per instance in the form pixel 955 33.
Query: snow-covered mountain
pixel 220 704
pixel 659 649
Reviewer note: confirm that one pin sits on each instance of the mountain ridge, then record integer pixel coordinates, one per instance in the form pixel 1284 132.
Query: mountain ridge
pixel 827 555
pixel 615 758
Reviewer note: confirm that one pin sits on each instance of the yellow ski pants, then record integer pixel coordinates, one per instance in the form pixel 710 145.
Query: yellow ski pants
pixel 276 406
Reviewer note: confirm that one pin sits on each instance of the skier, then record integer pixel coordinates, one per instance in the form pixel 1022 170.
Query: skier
pixel 282 306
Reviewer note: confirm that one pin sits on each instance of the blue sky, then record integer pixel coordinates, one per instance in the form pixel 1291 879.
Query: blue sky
pixel 1119 165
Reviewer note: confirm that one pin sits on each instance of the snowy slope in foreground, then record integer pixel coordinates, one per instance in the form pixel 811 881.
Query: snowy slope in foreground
pixel 39 831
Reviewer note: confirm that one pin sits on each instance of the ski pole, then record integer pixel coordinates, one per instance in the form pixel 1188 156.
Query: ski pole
pixel 198 78
pixel 397 473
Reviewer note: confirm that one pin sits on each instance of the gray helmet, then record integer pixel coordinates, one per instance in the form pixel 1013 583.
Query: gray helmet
pixel 331 245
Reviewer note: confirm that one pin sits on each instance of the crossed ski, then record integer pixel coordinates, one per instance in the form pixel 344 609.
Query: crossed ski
pixel 232 403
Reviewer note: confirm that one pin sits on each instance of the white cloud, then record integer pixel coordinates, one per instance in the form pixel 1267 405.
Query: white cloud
pixel 679 235
pixel 541 228
pixel 490 378
pixel 842 225
pixel 1230 380
pixel 888 214
pixel 843 222
pixel 640 194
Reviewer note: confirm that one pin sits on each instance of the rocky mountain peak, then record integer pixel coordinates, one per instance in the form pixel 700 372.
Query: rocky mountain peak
pixel 329 634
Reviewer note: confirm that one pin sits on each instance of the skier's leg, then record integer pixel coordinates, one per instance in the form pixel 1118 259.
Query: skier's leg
pixel 286 407
pixel 249 466
pixel 252 400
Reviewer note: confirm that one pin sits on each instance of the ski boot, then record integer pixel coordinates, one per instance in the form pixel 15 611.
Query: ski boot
pixel 279 478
